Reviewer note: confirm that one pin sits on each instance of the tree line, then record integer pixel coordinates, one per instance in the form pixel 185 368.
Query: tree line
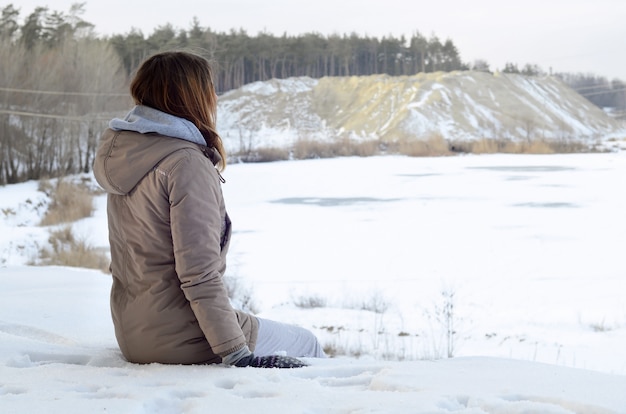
pixel 240 58
pixel 597 89
pixel 60 82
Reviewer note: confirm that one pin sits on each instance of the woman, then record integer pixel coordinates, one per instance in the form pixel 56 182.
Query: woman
pixel 169 231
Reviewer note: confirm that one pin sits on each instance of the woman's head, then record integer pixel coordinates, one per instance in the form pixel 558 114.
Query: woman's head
pixel 181 84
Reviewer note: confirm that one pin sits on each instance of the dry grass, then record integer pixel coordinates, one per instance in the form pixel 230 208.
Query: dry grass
pixel 334 349
pixel 67 250
pixel 241 294
pixel 350 147
pixel 69 202
pixel 569 146
pixel 483 146
pixel 310 302
pixel 505 146
pixel 267 154
pixel 600 327
pixel 310 149
pixel 8 211
pixel 433 146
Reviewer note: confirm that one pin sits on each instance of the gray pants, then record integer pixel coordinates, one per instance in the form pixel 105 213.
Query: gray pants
pixel 277 338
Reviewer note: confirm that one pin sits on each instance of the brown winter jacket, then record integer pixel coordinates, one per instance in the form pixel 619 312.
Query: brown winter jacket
pixel 169 234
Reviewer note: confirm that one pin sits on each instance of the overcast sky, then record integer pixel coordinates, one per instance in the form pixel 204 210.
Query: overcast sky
pixel 586 36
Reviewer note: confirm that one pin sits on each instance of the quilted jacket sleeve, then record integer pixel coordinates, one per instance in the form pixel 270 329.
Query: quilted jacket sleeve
pixel 197 215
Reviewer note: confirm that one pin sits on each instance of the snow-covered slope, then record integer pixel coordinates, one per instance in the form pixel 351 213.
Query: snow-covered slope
pixel 458 106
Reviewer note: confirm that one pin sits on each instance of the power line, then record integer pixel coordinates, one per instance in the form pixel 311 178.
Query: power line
pixel 597 85
pixel 603 92
pixel 51 116
pixel 41 92
pixel 584 88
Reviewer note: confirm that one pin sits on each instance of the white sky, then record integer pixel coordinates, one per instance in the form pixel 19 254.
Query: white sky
pixel 566 35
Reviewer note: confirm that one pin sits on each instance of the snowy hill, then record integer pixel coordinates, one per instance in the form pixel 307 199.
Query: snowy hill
pixel 458 106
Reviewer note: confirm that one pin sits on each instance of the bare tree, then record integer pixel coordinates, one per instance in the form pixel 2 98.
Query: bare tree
pixel 53 113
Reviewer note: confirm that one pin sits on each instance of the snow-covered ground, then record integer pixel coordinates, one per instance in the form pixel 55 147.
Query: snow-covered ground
pixel 512 263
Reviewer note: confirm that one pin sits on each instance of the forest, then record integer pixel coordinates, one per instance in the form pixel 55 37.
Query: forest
pixel 60 83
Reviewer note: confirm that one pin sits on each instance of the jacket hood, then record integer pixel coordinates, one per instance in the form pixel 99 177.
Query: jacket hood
pixel 126 154
pixel 145 120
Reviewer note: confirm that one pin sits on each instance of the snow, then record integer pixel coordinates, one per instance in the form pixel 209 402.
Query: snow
pixel 527 249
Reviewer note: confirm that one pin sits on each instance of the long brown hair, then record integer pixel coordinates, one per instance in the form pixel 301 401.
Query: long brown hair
pixel 180 83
